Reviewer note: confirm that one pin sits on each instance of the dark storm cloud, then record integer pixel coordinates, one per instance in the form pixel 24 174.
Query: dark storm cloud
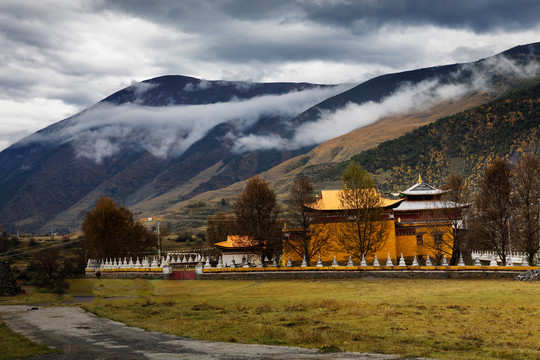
pixel 274 31
pixel 479 15
pixel 60 57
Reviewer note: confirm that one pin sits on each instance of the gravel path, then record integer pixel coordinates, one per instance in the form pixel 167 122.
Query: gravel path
pixel 83 336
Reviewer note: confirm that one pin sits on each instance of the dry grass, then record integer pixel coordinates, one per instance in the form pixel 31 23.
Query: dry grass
pixel 444 319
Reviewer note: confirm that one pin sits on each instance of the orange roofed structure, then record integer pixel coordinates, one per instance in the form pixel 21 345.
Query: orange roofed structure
pixel 329 200
pixel 236 249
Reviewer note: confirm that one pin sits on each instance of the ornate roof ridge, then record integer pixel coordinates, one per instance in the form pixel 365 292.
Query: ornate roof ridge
pixel 422 188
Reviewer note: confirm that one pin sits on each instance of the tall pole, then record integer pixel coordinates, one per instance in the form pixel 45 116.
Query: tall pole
pixel 159 238
pixel 538 257
pixel 509 242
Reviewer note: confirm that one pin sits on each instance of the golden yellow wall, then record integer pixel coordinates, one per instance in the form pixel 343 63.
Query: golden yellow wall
pixel 394 245
pixel 332 248
pixel 389 247
pixel 407 244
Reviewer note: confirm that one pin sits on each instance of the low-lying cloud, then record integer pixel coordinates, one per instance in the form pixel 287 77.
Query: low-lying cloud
pixel 105 129
pixel 405 99
pixel 168 131
pixel 331 124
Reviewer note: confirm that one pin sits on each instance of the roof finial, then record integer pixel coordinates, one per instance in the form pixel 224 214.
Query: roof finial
pixel 420 179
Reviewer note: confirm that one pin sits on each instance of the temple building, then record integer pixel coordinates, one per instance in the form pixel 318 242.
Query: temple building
pixel 424 222
pixel 418 222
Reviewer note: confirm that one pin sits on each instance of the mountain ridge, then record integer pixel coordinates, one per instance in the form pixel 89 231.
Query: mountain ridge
pixel 43 183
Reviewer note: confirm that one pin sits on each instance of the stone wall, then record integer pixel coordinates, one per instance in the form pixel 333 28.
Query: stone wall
pixel 8 284
pixel 357 274
pixel 128 275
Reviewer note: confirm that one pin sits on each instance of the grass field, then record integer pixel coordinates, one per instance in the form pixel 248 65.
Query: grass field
pixel 444 319
pixel 15 346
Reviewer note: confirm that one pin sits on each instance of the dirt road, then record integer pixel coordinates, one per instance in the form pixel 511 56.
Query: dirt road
pixel 84 336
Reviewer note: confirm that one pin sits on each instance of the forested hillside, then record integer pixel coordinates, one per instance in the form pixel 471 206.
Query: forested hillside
pixel 462 143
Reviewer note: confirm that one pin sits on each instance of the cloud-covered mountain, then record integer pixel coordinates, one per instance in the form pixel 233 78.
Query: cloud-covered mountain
pixel 146 139
pixel 168 139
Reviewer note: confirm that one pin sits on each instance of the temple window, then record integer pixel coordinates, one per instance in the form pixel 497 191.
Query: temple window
pixel 419 239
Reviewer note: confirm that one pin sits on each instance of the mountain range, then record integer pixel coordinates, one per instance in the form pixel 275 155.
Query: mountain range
pixel 162 145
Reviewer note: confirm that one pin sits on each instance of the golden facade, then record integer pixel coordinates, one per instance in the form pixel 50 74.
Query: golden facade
pixel 418 222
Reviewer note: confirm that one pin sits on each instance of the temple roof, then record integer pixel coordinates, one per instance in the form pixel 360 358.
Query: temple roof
pixel 236 241
pixel 421 188
pixel 330 200
pixel 428 205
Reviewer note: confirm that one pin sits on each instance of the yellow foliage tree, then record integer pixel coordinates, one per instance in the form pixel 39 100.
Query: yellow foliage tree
pixel 364 233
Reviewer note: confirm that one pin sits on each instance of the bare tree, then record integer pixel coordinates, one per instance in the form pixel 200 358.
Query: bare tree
pixel 439 239
pixel 494 208
pixel 454 211
pixel 49 265
pixel 219 226
pixel 257 215
pixel 525 220
pixel 365 231
pixel 305 237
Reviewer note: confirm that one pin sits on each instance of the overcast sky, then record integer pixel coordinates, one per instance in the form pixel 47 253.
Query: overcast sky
pixel 60 57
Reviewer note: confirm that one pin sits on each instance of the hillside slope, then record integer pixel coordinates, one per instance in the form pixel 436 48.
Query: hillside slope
pixel 322 159
pixel 141 141
pixel 502 72
pixel 463 143
pixel 171 141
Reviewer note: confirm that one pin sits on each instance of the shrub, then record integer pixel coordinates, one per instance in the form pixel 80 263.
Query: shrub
pixel 184 236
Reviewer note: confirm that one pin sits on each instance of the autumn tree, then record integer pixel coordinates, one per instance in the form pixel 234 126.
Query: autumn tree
pixel 400 176
pixel 452 211
pixel 494 208
pixel 525 220
pixel 111 231
pixel 257 216
pixel 305 237
pixel 364 232
pixel 219 226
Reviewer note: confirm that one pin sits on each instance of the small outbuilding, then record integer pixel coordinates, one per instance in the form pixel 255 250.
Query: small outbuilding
pixel 237 249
